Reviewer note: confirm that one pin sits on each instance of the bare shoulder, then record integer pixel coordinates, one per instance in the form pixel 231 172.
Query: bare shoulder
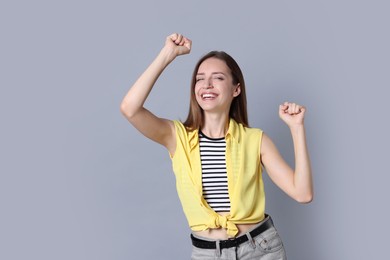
pixel 266 144
pixel 269 152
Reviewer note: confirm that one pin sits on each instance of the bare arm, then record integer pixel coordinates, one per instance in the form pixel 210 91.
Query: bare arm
pixel 296 183
pixel 132 107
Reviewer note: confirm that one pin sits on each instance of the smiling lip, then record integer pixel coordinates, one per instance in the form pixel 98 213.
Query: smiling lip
pixel 207 96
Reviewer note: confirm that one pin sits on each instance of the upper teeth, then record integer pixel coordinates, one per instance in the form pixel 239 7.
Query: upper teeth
pixel 207 95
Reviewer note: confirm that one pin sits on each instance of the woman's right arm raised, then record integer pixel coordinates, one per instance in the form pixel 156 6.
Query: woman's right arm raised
pixel 132 107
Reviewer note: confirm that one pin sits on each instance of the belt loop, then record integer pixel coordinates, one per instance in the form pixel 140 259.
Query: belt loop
pixel 217 249
pixel 250 239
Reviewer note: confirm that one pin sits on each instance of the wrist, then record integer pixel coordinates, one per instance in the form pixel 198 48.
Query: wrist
pixel 297 127
pixel 167 55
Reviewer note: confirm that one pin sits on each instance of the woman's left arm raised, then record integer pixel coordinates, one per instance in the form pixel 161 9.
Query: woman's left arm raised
pixel 296 183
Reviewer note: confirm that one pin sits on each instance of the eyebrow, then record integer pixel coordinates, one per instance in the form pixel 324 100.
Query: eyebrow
pixel 211 73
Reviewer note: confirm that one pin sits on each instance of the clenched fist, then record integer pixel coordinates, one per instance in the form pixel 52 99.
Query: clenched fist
pixel 292 114
pixel 176 44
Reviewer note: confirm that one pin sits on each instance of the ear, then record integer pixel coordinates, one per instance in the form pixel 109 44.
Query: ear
pixel 237 91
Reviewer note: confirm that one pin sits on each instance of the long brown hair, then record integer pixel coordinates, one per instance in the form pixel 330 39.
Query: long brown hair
pixel 238 109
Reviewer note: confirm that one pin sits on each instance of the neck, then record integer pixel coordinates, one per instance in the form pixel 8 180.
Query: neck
pixel 215 125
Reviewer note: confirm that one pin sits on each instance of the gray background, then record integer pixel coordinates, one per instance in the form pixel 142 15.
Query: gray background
pixel 78 182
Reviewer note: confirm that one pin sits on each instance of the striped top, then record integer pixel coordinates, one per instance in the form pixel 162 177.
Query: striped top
pixel 214 175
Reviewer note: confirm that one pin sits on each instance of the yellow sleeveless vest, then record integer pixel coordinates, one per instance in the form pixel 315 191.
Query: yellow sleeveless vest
pixel 245 183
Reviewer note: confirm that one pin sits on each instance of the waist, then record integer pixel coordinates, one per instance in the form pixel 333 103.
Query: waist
pixel 221 233
pixel 253 231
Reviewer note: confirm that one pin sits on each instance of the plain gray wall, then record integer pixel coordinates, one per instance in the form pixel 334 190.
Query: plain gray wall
pixel 78 182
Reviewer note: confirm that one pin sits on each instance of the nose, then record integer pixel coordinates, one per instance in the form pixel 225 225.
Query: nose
pixel 209 84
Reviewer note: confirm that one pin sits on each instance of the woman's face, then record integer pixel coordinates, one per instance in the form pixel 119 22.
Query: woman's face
pixel 214 88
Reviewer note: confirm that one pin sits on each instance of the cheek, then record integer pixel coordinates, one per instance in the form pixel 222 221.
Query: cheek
pixel 196 90
pixel 196 94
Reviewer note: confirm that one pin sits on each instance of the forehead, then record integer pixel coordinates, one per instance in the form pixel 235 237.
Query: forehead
pixel 213 65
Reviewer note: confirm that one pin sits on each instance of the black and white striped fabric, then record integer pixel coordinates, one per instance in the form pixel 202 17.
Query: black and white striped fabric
pixel 214 176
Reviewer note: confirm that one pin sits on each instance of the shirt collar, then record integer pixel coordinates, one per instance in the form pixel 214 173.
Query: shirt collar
pixel 193 138
pixel 233 131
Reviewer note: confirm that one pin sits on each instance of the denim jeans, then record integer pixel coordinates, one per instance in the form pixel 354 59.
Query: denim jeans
pixel 266 246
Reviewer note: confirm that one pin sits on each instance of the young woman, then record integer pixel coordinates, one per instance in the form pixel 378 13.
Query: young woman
pixel 217 158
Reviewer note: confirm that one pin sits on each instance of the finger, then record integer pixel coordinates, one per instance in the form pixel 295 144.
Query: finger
pixel 287 106
pixel 173 37
pixel 298 109
pixel 291 108
pixel 183 41
pixel 178 39
pixel 283 108
pixel 187 43
pixel 302 110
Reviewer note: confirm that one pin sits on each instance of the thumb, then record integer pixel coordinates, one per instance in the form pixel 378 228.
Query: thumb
pixel 302 110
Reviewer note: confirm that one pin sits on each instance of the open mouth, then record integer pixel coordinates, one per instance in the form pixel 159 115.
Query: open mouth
pixel 208 96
